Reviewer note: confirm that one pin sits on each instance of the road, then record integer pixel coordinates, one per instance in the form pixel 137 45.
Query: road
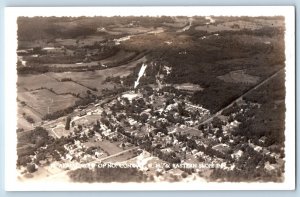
pixel 241 97
pixel 115 155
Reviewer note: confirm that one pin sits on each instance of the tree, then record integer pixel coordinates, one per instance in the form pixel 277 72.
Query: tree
pixel 144 117
pixel 31 168
pixel 67 127
pixel 217 123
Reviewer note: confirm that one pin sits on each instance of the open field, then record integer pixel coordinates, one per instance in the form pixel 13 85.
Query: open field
pixel 110 148
pixel 44 101
pixel 86 119
pixel 131 30
pixel 229 26
pixel 118 57
pixel 32 82
pixel 237 25
pixel 89 40
pixel 96 79
pixel 122 157
pixel 23 112
pixel 239 76
pixel 188 87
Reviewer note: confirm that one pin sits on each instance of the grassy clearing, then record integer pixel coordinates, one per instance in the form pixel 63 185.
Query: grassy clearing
pixel 239 76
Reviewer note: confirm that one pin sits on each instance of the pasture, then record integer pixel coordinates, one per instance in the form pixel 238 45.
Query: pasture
pixel 33 82
pixel 44 101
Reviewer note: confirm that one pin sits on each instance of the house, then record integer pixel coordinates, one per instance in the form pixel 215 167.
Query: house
pixel 194 151
pixel 258 148
pixel 262 139
pixel 69 157
pixel 222 148
pixel 82 113
pixel 237 154
pixel 269 167
pixel 98 154
pixel 167 150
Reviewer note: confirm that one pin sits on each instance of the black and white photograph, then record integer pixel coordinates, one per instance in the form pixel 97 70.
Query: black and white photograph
pixel 146 97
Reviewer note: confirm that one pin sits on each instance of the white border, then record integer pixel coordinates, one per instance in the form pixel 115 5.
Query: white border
pixel 11 14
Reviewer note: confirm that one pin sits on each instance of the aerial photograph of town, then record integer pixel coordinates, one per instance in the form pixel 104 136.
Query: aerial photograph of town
pixel 149 99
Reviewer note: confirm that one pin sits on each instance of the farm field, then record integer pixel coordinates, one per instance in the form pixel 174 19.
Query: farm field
pixel 36 100
pixel 96 79
pixel 33 82
pixel 118 57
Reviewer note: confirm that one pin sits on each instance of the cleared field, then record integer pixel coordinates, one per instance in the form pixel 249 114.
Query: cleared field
pixel 239 76
pixel 250 39
pixel 77 76
pixel 132 30
pixel 110 148
pixel 95 79
pixel 188 87
pixel 25 111
pixel 59 131
pixel 89 40
pixel 32 82
pixel 78 64
pixel 118 57
pixel 89 79
pixel 189 130
pixel 28 111
pixel 23 124
pixel 229 26
pixel 270 22
pixel 86 120
pixel 122 157
pixel 66 87
pixel 44 101
pixel 156 40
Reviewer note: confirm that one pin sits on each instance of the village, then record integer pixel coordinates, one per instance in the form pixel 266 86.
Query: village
pixel 158 122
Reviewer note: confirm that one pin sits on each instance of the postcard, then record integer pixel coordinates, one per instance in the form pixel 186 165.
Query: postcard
pixel 150 98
